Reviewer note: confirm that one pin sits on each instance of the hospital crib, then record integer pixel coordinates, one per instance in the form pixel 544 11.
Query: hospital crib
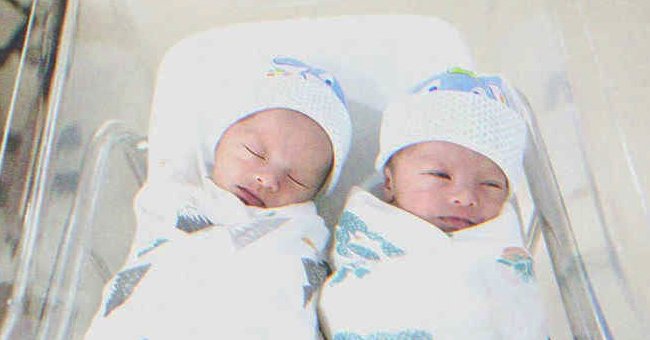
pixel 68 219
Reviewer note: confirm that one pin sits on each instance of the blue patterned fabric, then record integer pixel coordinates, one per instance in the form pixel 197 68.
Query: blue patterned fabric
pixel 245 234
pixel 305 70
pixel 521 264
pixel 123 286
pixel 155 244
pixel 317 272
pixel 350 225
pixel 458 79
pixel 192 223
pixel 401 335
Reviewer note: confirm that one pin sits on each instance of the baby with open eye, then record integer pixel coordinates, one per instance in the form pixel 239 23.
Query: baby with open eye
pixel 238 252
pixel 441 256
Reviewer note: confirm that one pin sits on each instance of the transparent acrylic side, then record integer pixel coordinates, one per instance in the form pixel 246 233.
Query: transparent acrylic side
pixel 50 121
pixel 28 122
pixel 552 56
pixel 112 170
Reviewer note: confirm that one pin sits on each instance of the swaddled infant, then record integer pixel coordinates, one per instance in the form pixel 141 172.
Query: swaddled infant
pixel 237 252
pixel 441 256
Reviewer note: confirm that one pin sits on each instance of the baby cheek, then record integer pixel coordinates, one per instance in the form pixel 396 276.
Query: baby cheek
pixel 490 209
pixel 236 169
pixel 428 202
pixel 288 195
pixel 421 203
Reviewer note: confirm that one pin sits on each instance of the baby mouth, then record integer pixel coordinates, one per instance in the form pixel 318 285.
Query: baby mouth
pixel 453 223
pixel 249 198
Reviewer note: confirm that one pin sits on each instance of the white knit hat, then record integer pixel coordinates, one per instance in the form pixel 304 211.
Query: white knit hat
pixel 462 108
pixel 288 84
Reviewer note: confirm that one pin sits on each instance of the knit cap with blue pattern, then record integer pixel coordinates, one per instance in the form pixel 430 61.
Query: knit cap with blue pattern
pixel 288 84
pixel 459 107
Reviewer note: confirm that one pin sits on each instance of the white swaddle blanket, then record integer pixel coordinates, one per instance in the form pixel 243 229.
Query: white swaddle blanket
pixel 205 266
pixel 398 277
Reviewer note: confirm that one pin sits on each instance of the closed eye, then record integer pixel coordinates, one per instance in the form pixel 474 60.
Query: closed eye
pixel 492 184
pixel 438 173
pixel 251 151
pixel 297 182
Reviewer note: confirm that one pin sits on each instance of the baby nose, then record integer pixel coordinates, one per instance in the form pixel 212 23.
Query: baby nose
pixel 464 197
pixel 268 180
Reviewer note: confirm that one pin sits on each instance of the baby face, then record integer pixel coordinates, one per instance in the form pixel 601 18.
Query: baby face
pixel 445 184
pixel 273 158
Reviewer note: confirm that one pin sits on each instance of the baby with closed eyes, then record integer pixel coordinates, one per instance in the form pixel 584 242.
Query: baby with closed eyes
pixel 238 253
pixel 440 255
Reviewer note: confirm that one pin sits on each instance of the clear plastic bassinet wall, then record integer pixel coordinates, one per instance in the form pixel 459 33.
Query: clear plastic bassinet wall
pixel 76 79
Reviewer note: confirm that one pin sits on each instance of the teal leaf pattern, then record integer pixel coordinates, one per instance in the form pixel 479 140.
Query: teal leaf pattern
pixel 401 335
pixel 361 272
pixel 355 254
pixel 390 250
pixel 339 275
pixel 521 263
pixel 364 252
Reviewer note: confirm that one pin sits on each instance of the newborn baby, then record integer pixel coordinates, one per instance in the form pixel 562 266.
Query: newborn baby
pixel 441 256
pixel 237 252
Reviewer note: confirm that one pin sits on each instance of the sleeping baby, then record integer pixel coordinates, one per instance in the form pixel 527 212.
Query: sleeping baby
pixel 441 256
pixel 234 252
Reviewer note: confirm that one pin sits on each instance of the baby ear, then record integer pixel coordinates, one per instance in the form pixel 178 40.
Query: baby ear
pixel 389 191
